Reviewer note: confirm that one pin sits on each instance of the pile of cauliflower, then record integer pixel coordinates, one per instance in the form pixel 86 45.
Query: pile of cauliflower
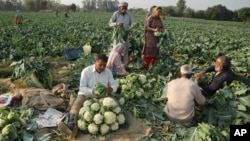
pixel 101 116
pixel 141 86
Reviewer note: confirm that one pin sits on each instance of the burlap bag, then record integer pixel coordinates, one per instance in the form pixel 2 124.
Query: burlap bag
pixel 41 99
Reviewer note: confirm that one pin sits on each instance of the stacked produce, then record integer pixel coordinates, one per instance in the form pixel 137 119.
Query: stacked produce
pixel 14 123
pixel 100 116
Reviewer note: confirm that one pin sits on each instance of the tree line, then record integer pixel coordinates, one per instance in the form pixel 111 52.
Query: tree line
pixel 217 12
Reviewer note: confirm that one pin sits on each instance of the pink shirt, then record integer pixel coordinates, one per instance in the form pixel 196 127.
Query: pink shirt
pixel 115 59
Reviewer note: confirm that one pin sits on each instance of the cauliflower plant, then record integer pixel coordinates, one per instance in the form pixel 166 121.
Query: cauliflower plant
pixel 120 118
pixel 98 118
pixel 2 122
pixel 88 116
pixel 83 110
pixel 93 128
pixel 95 107
pixel 82 125
pixel 7 130
pixel 117 110
pixel 114 126
pixel 104 129
pixel 109 102
pixel 109 117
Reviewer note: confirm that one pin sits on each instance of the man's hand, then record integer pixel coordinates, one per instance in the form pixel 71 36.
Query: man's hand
pixel 198 75
pixel 109 90
pixel 119 24
pixel 135 24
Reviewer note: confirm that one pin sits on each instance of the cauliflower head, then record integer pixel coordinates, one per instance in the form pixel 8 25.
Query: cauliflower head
pixel 95 106
pixel 117 110
pixel 114 126
pixel 98 118
pixel 120 118
pixel 93 128
pixel 88 116
pixel 104 129
pixel 122 101
pixel 109 102
pixel 87 103
pixel 109 117
pixel 82 125
pixel 83 110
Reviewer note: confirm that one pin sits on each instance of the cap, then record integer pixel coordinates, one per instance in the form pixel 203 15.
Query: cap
pixel 123 4
pixel 186 69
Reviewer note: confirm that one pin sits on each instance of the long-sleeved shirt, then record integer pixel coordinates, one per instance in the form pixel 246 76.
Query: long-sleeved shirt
pixel 218 80
pixel 182 94
pixel 115 59
pixel 125 18
pixel 90 77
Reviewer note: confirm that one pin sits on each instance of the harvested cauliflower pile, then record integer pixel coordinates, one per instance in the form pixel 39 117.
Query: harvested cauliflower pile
pixel 100 117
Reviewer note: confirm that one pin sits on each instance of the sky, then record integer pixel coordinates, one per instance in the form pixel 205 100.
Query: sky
pixel 194 4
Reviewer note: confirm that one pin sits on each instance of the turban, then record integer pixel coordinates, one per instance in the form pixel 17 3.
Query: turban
pixel 123 4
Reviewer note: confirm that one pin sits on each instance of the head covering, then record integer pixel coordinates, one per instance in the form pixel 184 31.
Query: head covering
pixel 116 53
pixel 123 4
pixel 18 12
pixel 186 69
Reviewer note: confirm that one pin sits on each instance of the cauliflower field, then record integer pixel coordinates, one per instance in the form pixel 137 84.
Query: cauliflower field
pixel 186 41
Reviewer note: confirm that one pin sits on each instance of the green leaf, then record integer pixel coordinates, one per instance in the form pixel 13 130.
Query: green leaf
pixel 241 107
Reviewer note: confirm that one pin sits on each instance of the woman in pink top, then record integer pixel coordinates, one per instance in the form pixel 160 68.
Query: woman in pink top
pixel 115 62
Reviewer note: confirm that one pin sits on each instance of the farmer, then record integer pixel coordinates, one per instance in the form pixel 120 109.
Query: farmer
pixel 223 74
pixel 182 93
pixel 122 18
pixel 115 62
pixel 18 17
pixel 150 49
pixel 90 76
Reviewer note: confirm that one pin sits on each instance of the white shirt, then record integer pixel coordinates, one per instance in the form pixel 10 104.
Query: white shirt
pixel 90 77
pixel 126 19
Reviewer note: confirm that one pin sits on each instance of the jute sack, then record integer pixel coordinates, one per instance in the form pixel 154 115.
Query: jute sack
pixel 42 99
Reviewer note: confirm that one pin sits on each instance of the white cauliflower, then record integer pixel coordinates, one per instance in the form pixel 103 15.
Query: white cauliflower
pixel 88 116
pixel 104 129
pixel 95 107
pixel 114 126
pixel 142 78
pixel 117 110
pixel 83 110
pixel 93 128
pixel 98 118
pixel 87 103
pixel 139 92
pixel 109 102
pixel 122 101
pixel 120 118
pixel 125 87
pixel 82 125
pixel 148 85
pixel 109 117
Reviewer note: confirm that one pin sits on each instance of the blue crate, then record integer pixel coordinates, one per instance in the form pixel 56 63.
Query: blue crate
pixel 73 54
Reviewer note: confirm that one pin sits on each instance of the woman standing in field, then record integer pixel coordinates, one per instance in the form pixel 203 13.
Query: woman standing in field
pixel 153 24
pixel 18 17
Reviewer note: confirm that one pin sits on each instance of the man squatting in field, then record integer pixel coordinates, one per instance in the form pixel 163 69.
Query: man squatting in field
pixel 124 19
pixel 90 76
pixel 223 74
pixel 182 93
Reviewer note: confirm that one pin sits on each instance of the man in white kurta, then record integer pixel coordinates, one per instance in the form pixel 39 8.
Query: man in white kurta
pixel 182 94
